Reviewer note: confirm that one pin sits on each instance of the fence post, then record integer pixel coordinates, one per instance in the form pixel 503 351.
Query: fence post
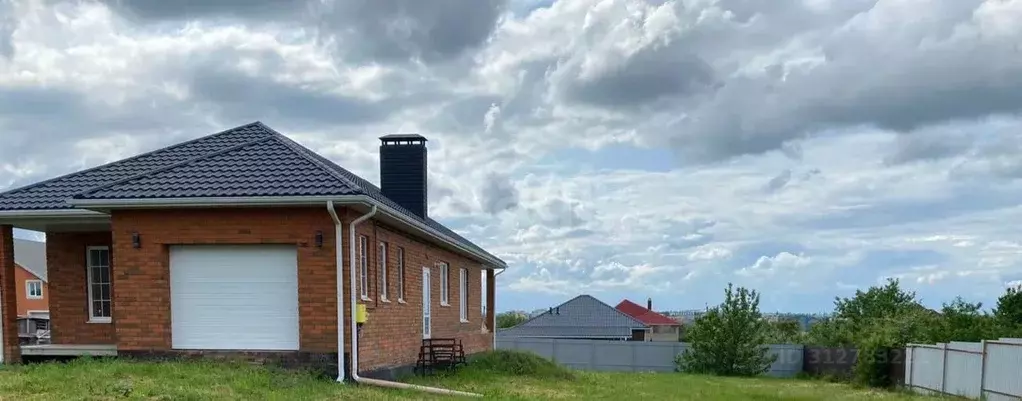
pixel 983 371
pixel 553 350
pixel 910 359
pixel 943 371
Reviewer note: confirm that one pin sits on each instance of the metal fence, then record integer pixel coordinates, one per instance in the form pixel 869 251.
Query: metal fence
pixel 633 356
pixel 990 370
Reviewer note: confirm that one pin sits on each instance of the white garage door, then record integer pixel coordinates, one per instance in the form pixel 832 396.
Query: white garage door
pixel 228 297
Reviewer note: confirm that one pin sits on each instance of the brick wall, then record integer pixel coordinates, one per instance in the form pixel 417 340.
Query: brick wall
pixel 393 334
pixel 142 276
pixel 69 297
pixel 25 304
pixel 141 287
pixel 9 302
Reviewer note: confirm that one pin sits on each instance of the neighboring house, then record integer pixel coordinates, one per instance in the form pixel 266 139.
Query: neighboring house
pixel 30 278
pixel 582 317
pixel 242 242
pixel 662 328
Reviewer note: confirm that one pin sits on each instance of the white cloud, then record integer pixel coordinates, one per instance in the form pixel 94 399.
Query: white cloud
pixel 609 146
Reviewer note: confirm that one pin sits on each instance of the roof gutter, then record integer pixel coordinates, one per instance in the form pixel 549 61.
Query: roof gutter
pixel 137 203
pixel 494 307
pixel 338 250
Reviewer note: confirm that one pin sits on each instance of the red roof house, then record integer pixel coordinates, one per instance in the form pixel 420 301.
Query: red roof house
pixel 663 327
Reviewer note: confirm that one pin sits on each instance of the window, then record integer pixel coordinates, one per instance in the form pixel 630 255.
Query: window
pixel 98 263
pixel 34 289
pixel 363 268
pixel 444 285
pixel 482 296
pixel 463 294
pixel 400 274
pixel 383 271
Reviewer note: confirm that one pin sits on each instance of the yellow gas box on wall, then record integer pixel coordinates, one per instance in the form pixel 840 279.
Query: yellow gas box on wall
pixel 361 314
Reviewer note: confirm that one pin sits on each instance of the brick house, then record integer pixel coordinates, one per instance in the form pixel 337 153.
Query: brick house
pixel 234 243
pixel 661 328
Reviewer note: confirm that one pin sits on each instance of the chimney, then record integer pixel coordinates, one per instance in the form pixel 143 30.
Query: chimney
pixel 649 303
pixel 403 171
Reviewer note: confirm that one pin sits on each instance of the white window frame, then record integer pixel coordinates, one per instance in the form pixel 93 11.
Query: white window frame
pixel 383 271
pixel 28 289
pixel 363 267
pixel 400 274
pixel 445 289
pixel 463 294
pixel 93 318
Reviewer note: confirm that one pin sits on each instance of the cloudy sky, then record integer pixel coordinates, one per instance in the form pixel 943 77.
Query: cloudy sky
pixel 621 148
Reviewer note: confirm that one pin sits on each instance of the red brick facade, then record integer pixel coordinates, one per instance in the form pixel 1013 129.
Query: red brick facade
pixel 393 334
pixel 141 286
pixel 141 311
pixel 69 303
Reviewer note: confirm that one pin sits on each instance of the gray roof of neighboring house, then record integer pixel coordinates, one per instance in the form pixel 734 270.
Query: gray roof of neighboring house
pixel 31 255
pixel 580 317
pixel 250 160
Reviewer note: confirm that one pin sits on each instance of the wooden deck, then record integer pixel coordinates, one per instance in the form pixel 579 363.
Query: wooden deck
pixel 69 349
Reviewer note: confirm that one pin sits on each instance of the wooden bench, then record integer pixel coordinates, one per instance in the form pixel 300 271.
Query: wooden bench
pixel 444 353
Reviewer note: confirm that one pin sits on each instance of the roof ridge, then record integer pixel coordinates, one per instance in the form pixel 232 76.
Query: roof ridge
pixel 302 152
pixel 138 156
pixel 545 312
pixel 622 313
pixel 173 166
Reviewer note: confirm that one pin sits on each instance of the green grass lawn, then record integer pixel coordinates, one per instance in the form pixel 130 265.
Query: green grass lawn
pixel 116 380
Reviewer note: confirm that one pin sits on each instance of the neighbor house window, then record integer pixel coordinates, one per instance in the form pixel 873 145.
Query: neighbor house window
pixel 383 270
pixel 34 289
pixel 98 270
pixel 363 267
pixel 463 294
pixel 444 285
pixel 400 274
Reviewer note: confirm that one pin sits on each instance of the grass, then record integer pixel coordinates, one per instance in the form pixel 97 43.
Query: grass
pixel 499 377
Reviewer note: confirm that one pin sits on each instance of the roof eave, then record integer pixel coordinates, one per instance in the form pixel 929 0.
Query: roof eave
pixel 50 213
pixel 490 261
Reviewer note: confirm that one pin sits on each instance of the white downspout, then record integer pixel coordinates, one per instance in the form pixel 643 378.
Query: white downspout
pixel 339 250
pixel 495 307
pixel 354 327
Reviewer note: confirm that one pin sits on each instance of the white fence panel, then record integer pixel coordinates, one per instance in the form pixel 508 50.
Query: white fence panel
pixel 633 356
pixel 1003 378
pixel 989 369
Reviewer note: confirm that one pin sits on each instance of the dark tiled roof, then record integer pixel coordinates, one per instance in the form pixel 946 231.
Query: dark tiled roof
pixel 53 193
pixel 580 317
pixel 645 315
pixel 264 167
pixel 250 160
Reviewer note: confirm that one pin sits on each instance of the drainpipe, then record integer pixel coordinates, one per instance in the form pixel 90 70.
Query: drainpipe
pixel 494 317
pixel 338 249
pixel 354 327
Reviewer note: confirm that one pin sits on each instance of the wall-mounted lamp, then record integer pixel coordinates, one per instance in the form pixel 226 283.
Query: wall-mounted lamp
pixel 319 239
pixel 136 240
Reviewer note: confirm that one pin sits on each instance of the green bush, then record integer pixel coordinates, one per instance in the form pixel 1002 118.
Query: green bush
pixel 729 339
pixel 517 363
pixel 873 365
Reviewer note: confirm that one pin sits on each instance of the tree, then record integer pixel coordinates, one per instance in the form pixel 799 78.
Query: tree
pixel 785 331
pixel 1009 311
pixel 509 319
pixel 729 339
pixel 964 321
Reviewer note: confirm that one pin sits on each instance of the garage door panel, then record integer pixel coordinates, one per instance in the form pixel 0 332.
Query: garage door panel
pixel 231 297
